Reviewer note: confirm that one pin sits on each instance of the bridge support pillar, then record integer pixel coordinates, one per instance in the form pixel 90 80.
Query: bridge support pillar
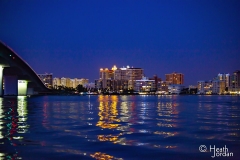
pixel 22 87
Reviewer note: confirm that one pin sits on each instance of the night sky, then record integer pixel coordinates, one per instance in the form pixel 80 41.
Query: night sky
pixel 199 38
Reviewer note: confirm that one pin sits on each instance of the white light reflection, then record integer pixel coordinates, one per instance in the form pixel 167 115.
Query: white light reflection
pixel 22 114
pixel 1 116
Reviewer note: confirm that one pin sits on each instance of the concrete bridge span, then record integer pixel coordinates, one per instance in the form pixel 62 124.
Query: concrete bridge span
pixel 16 76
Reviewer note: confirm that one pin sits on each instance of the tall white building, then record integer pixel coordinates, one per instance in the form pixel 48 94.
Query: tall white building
pixel 224 77
pixel 218 86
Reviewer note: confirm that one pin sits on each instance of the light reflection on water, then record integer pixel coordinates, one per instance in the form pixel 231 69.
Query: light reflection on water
pixel 105 127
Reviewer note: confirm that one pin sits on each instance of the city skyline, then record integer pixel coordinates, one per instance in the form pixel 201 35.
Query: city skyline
pixel 196 38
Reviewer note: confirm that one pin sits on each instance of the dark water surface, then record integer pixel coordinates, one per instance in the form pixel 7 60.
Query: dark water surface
pixel 118 127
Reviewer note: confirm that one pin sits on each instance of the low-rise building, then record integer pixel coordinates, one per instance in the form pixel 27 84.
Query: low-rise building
pixel 144 85
pixel 56 82
pixel 175 88
pixel 162 87
pixel 204 87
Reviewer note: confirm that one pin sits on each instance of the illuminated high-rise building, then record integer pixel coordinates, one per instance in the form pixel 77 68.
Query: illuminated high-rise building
pixel 224 77
pixel 118 78
pixel 105 76
pixel 175 78
pixel 218 86
pixel 120 74
pixel 133 74
pixel 235 82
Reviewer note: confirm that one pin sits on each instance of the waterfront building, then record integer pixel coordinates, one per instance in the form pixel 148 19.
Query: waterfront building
pixel 56 82
pixel 120 73
pixel 144 85
pixel 105 75
pixel 157 81
pixel 163 87
pixel 65 82
pixel 72 83
pixel 106 84
pixel 175 78
pixel 175 88
pixel 68 82
pixel 224 77
pixel 82 81
pixel 234 86
pixel 133 74
pixel 118 78
pixel 120 85
pixel 205 87
pixel 218 87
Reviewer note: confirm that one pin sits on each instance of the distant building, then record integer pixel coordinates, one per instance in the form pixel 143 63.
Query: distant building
pixel 65 82
pixel 104 76
pixel 144 85
pixel 175 88
pixel 118 78
pixel 68 82
pixel 218 87
pixel 205 87
pixel 46 79
pixel 120 73
pixel 82 81
pixel 157 81
pixel 133 74
pixel 56 82
pixel 224 77
pixel 175 78
pixel 163 86
pixel 234 86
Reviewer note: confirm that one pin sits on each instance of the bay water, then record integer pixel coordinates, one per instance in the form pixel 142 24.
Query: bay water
pixel 120 127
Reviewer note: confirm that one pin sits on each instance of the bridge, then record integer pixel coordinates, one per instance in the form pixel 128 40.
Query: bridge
pixel 16 76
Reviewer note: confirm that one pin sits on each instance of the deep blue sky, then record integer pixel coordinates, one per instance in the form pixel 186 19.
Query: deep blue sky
pixel 199 38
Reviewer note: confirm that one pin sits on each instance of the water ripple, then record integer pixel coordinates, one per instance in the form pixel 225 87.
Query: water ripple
pixel 104 127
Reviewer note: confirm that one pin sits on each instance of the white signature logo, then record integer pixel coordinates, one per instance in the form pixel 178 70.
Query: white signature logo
pixel 217 152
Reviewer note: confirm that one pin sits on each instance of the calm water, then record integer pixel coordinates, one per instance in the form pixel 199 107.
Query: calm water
pixel 118 127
